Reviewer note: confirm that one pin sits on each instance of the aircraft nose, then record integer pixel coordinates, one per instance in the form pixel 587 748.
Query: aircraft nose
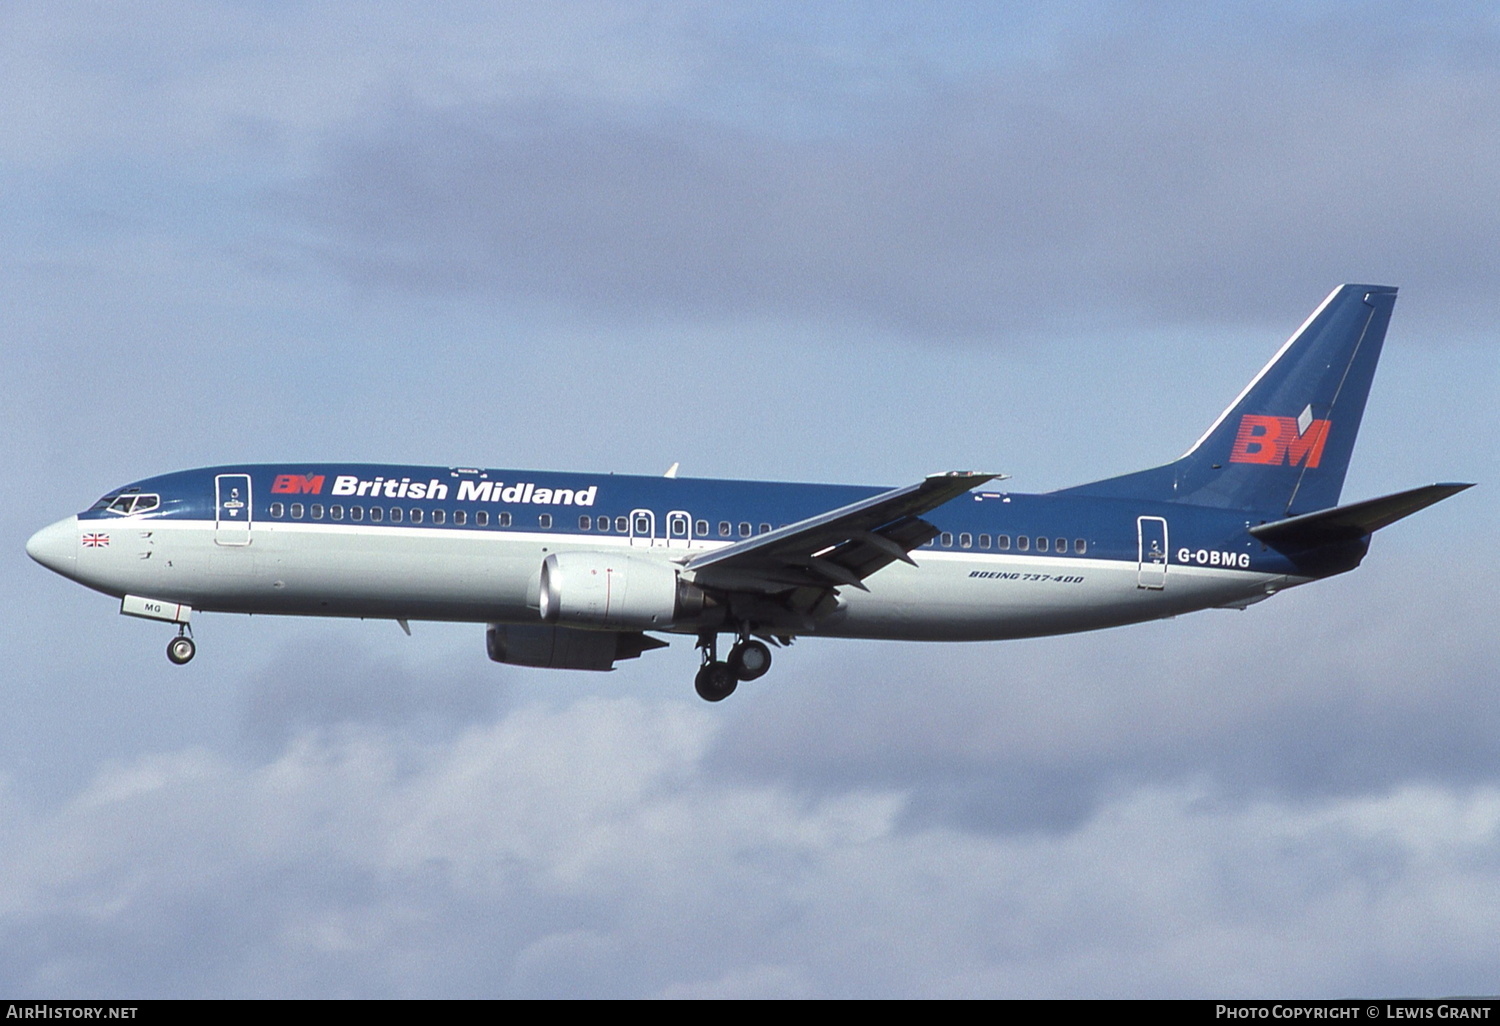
pixel 56 546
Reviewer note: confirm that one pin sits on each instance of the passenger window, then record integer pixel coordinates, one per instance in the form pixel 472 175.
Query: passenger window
pixel 316 509
pixel 622 525
pixel 765 528
pixel 376 514
pixel 1080 546
pixel 701 527
pixel 1061 545
pixel 744 530
pixel 1022 543
pixel 585 521
pixel 544 521
pixel 723 529
pixel 604 524
pixel 1002 542
pixel 416 516
pixel 504 520
pixel 296 511
pixel 642 527
pixel 966 541
pixel 1041 544
pixel 984 541
pixel 336 512
pixel 438 516
pixel 395 514
pixel 356 512
pixel 460 517
pixel 947 539
pixel 277 510
pixel 482 518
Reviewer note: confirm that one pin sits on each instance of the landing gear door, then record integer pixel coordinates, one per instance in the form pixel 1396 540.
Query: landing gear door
pixel 1151 571
pixel 642 528
pixel 232 509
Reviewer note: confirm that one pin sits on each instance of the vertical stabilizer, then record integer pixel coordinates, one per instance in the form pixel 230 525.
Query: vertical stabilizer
pixel 1283 445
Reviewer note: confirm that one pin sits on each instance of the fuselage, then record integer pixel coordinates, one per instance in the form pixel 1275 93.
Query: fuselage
pixel 460 544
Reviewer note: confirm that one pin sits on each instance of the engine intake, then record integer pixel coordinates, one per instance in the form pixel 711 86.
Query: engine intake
pixel 605 589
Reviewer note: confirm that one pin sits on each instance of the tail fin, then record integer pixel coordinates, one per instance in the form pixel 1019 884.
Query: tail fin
pixel 1283 445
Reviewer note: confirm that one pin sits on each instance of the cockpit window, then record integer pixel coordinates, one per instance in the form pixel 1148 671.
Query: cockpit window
pixel 132 503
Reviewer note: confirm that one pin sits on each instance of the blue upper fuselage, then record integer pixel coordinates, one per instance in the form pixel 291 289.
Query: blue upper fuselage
pixel 574 504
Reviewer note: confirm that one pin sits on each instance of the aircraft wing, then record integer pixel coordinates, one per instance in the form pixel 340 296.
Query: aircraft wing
pixel 840 547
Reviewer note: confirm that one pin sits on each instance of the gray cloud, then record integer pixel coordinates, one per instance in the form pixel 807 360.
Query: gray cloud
pixel 590 850
pixel 1312 696
pixel 328 683
pixel 1133 173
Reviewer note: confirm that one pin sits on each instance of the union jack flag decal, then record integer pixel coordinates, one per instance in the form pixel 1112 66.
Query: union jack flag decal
pixel 95 541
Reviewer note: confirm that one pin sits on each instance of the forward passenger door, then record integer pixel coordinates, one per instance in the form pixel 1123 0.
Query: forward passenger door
pixel 232 509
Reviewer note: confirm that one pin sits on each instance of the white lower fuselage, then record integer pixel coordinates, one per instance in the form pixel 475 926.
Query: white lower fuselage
pixel 413 573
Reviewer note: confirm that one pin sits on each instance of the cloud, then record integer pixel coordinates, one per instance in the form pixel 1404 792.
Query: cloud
pixel 590 850
pixel 1130 174
pixel 1322 693
pixel 328 683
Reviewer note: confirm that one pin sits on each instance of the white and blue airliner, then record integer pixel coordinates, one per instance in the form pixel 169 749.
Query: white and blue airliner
pixel 581 570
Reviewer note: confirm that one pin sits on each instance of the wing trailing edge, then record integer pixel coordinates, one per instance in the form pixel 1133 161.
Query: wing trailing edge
pixel 839 548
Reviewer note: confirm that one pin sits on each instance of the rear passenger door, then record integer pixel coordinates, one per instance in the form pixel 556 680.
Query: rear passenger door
pixel 1151 539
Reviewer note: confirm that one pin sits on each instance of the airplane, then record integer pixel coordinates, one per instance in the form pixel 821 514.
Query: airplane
pixel 581 570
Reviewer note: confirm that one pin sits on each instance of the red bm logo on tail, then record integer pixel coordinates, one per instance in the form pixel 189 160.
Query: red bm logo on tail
pixel 1279 440
pixel 297 484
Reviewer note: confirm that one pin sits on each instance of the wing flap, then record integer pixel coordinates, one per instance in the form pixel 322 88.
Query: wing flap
pixel 839 548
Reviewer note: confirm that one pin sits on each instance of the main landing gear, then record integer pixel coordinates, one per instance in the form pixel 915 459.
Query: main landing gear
pixel 748 660
pixel 181 649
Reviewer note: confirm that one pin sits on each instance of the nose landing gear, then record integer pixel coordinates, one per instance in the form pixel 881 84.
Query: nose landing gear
pixel 716 680
pixel 181 649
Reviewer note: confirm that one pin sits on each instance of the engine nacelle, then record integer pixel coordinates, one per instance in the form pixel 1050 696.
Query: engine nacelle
pixel 564 648
pixel 606 589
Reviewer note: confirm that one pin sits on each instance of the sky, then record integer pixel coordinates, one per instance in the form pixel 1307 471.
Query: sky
pixel 858 243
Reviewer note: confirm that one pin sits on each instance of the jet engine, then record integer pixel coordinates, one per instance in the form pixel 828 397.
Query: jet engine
pixel 605 589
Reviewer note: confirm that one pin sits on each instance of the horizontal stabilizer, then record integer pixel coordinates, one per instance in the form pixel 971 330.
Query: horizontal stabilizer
pixel 1344 523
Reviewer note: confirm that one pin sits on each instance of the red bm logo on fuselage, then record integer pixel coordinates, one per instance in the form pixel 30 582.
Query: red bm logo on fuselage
pixel 298 484
pixel 1279 440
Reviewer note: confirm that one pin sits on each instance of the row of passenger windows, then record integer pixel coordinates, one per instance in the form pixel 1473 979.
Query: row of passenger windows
pixel 396 514
pixel 676 525
pixel 1002 542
